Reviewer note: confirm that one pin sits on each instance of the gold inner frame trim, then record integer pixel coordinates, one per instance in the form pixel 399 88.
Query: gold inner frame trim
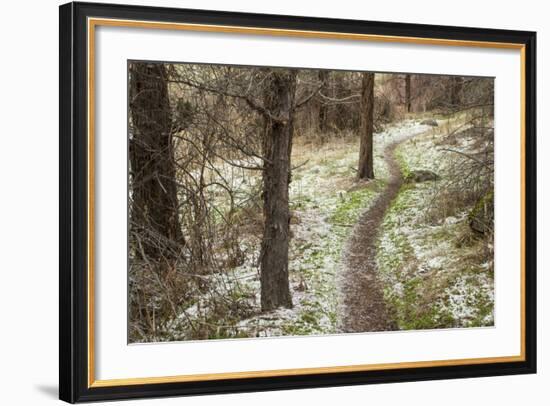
pixel 94 22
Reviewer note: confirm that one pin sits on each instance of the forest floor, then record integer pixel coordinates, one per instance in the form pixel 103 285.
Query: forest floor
pixel 364 255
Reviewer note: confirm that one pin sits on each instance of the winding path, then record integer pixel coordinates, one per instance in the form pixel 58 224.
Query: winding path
pixel 362 307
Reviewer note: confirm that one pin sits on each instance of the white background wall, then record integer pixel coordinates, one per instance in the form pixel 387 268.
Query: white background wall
pixel 29 203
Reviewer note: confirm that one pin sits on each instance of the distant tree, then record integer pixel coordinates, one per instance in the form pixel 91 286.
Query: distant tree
pixel 323 107
pixel 408 92
pixel 154 208
pixel 456 90
pixel 365 168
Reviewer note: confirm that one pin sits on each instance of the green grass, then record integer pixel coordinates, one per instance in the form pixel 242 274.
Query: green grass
pixel 403 164
pixel 352 205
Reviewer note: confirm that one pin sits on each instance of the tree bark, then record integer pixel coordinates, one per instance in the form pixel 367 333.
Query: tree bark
pixel 408 92
pixel 279 94
pixel 323 108
pixel 154 211
pixel 365 168
pixel 456 90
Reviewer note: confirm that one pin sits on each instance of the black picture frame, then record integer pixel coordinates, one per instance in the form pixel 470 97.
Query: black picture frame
pixel 73 255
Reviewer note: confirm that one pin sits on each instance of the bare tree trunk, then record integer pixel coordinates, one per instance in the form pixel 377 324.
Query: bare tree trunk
pixel 323 108
pixel 408 92
pixel 365 168
pixel 154 211
pixel 456 90
pixel 279 97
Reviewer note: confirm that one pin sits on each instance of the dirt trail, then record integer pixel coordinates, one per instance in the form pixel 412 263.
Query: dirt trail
pixel 362 307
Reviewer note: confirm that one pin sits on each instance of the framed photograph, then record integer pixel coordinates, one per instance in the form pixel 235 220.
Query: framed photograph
pixel 257 202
